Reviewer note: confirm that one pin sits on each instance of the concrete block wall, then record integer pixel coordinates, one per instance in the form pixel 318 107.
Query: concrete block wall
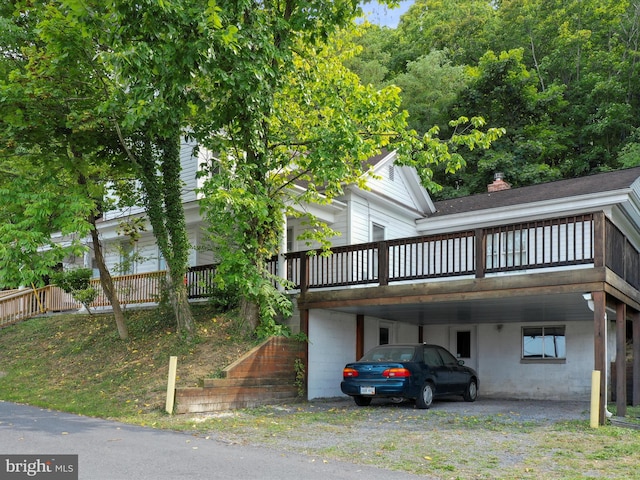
pixel 265 375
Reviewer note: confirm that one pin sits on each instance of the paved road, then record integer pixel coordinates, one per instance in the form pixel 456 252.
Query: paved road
pixel 114 451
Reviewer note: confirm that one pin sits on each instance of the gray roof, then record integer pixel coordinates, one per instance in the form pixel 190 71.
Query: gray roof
pixel 602 182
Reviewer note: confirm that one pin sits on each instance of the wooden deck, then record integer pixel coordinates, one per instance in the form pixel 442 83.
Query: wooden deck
pixel 559 243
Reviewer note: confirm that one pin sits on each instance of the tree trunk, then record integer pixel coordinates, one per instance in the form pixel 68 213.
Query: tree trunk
pixel 250 312
pixel 107 283
pixel 178 296
pixel 163 200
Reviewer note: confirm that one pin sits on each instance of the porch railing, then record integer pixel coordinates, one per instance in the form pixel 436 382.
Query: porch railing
pixel 134 288
pixel 27 303
pixel 17 305
pixel 560 242
pixel 519 247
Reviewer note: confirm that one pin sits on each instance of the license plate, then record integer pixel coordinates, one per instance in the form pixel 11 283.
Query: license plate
pixel 367 390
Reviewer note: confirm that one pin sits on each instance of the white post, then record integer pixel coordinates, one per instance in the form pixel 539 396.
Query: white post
pixel 282 262
pixel 171 384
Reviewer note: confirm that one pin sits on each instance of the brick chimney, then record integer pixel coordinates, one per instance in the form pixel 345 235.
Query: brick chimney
pixel 498 183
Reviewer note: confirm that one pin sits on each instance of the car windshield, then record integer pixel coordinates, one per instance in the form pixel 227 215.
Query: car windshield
pixel 389 354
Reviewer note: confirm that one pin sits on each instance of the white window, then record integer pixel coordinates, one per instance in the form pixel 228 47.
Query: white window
pixel 127 259
pixel 377 232
pixel 290 239
pixel 162 263
pixel 544 343
pixel 507 249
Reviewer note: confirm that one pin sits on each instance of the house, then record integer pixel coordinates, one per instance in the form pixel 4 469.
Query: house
pixel 535 287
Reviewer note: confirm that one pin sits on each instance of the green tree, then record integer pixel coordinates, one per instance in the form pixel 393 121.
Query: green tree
pixel 504 92
pixel 429 89
pixel 458 26
pixel 55 147
pixel 589 49
pixel 149 55
pixel 77 282
pixel 373 53
pixel 282 110
pixel 581 57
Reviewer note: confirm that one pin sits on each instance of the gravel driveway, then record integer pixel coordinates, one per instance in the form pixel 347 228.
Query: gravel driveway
pixel 538 411
pixel 489 438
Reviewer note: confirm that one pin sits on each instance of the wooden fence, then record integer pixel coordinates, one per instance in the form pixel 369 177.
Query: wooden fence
pixel 17 305
pixel 27 303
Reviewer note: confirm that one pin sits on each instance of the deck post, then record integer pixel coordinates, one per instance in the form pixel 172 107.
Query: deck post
pixel 304 269
pixel 383 263
pixel 359 336
pixel 600 350
pixel 599 240
pixel 481 248
pixel 621 359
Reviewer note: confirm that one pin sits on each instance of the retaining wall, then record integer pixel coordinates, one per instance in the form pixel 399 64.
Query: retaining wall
pixel 263 376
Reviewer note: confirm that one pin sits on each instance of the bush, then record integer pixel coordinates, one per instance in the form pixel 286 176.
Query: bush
pixel 77 283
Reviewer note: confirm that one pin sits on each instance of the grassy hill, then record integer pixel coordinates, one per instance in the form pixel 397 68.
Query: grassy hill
pixel 77 363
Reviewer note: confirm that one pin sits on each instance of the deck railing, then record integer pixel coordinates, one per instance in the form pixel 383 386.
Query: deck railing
pixel 519 247
pixel 27 303
pixel 551 243
pixel 131 289
pixel 17 305
pixel 540 244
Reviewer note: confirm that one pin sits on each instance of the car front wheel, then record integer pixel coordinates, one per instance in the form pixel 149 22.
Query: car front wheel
pixel 471 393
pixel 425 399
pixel 362 401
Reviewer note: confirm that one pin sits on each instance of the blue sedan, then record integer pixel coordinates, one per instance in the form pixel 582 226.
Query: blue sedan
pixel 415 372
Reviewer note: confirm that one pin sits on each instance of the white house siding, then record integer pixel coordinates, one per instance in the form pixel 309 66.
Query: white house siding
pixel 203 256
pixel 393 188
pixel 365 212
pixel 189 163
pixel 122 212
pixel 332 340
pixel 149 254
pixel 500 369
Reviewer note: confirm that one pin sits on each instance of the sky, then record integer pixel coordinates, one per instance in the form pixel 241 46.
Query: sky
pixel 383 16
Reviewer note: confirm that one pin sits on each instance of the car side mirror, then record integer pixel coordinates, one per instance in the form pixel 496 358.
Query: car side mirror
pixel 461 362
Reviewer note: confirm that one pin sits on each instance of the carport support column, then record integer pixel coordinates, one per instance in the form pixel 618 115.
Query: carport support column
pixel 359 336
pixel 621 359
pixel 600 351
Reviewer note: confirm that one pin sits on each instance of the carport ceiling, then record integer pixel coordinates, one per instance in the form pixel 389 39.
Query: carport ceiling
pixel 532 308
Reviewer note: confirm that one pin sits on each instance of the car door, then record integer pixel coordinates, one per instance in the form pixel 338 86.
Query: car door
pixel 456 375
pixel 436 370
